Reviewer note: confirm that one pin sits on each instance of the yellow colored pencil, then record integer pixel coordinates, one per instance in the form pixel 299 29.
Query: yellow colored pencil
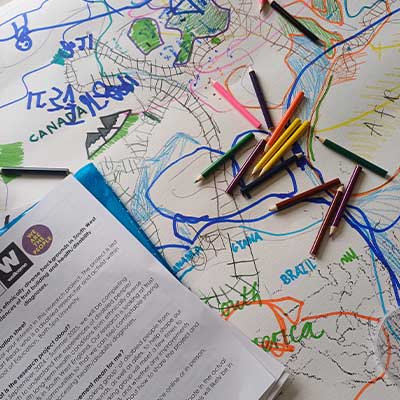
pixel 300 131
pixel 277 145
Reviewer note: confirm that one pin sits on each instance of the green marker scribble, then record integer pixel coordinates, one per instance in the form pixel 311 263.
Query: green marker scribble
pixel 212 22
pixel 132 119
pixel 11 155
pixel 144 33
pixel 316 119
pixel 328 9
pixel 186 47
pixel 216 40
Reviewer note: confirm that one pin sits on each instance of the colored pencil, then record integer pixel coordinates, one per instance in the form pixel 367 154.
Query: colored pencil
pixel 346 196
pixel 262 4
pixel 296 23
pixel 327 221
pixel 285 119
pixel 234 103
pixel 305 195
pixel 273 171
pixel 261 98
pixel 278 144
pixel 352 156
pixel 289 143
pixel 211 168
pixel 249 161
pixel 17 171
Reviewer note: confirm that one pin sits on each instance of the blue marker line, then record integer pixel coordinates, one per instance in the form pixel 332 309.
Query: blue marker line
pixel 80 21
pixel 301 230
pixel 346 9
pixel 377 22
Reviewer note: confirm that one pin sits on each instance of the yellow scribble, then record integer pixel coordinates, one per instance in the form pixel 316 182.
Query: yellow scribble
pixel 359 116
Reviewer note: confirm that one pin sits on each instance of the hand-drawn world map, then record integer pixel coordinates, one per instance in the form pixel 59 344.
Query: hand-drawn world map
pixel 128 86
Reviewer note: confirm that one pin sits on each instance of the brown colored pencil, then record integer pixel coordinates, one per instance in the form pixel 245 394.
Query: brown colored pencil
pixel 304 195
pixel 327 221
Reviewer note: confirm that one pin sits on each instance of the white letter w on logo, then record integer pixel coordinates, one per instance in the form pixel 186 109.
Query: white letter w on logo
pixel 8 262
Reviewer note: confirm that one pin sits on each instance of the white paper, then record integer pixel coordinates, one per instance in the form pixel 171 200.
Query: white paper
pixel 216 243
pixel 95 312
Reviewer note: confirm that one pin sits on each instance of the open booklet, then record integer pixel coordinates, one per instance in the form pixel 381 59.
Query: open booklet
pixel 87 313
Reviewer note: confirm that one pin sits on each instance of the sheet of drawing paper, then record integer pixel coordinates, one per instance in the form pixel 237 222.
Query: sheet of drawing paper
pixel 129 86
pixel 86 313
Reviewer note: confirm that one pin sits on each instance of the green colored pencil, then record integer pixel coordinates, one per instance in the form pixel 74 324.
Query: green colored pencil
pixel 210 169
pixel 354 157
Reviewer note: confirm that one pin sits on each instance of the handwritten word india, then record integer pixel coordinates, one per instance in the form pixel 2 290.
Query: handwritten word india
pixel 279 346
pixel 64 100
pixel 302 269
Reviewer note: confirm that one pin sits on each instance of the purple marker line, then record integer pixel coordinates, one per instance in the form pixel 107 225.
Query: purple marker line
pixel 256 151
pixel 346 196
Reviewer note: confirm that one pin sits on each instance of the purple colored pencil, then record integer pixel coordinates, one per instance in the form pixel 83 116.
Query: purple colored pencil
pixel 253 155
pixel 346 196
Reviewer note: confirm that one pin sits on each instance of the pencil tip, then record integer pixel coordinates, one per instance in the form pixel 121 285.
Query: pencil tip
pixel 273 208
pixel 251 69
pixel 200 178
pixel 332 230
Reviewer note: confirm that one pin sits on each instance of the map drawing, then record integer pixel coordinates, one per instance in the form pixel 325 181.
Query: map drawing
pixel 127 85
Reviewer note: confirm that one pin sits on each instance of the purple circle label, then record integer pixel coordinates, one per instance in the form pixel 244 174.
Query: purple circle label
pixel 37 240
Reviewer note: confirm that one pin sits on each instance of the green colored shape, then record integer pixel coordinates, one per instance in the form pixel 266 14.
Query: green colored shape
pixel 310 146
pixel 186 48
pixel 144 33
pixel 216 40
pixel 132 119
pixel 322 34
pixel 212 21
pixel 11 155
pixel 332 11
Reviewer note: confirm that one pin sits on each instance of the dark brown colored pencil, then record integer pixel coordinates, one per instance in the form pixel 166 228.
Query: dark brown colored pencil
pixel 327 221
pixel 249 161
pixel 304 195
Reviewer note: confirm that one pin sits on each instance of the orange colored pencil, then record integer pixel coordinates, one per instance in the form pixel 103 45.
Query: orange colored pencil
pixel 285 119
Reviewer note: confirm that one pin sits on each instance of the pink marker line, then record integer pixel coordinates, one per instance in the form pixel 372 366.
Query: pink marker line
pixel 227 96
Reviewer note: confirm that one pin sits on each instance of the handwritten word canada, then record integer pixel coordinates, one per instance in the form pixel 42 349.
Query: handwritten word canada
pixel 302 269
pixel 249 296
pixel 246 242
pixel 280 342
pixel 65 99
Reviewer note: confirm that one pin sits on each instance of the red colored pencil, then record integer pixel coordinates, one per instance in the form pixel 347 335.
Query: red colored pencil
pixel 327 221
pixel 346 196
pixel 304 195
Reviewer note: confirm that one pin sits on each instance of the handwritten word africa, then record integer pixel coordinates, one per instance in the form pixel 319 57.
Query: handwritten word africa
pixel 279 346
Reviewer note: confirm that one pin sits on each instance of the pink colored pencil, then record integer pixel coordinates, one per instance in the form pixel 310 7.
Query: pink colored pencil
pixel 243 110
pixel 250 159
pixel 285 119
